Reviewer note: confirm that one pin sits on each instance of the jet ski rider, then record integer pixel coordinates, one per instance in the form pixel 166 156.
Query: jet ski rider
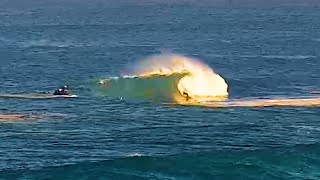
pixel 61 91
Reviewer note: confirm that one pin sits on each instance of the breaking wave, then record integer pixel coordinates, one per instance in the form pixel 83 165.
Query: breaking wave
pixel 167 77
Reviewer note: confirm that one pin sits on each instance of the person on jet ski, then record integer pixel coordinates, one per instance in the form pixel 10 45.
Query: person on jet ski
pixel 61 91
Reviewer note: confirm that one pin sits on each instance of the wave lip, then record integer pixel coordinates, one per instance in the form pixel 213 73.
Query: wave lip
pixel 198 79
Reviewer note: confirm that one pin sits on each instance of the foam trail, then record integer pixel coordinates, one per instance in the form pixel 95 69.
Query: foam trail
pixel 276 102
pixel 11 117
pixel 32 116
pixel 35 96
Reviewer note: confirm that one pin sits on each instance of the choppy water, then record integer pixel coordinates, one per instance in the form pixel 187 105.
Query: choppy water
pixel 261 52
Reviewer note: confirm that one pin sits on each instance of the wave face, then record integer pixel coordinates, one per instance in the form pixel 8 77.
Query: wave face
pixel 168 76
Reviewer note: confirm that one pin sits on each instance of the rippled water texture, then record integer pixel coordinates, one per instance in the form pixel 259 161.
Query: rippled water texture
pixel 135 132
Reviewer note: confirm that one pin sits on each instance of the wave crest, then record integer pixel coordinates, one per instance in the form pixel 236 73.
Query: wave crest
pixel 199 80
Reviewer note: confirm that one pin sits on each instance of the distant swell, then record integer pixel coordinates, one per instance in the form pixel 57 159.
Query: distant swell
pixel 292 57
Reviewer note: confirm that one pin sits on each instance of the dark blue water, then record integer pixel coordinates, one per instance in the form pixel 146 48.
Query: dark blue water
pixel 261 51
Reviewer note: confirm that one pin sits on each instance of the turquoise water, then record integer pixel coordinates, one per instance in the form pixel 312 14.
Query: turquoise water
pixel 262 50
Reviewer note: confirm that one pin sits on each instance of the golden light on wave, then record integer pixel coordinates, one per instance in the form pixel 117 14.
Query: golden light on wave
pixel 199 82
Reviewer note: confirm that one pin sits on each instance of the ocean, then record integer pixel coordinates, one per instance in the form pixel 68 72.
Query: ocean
pixel 130 63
